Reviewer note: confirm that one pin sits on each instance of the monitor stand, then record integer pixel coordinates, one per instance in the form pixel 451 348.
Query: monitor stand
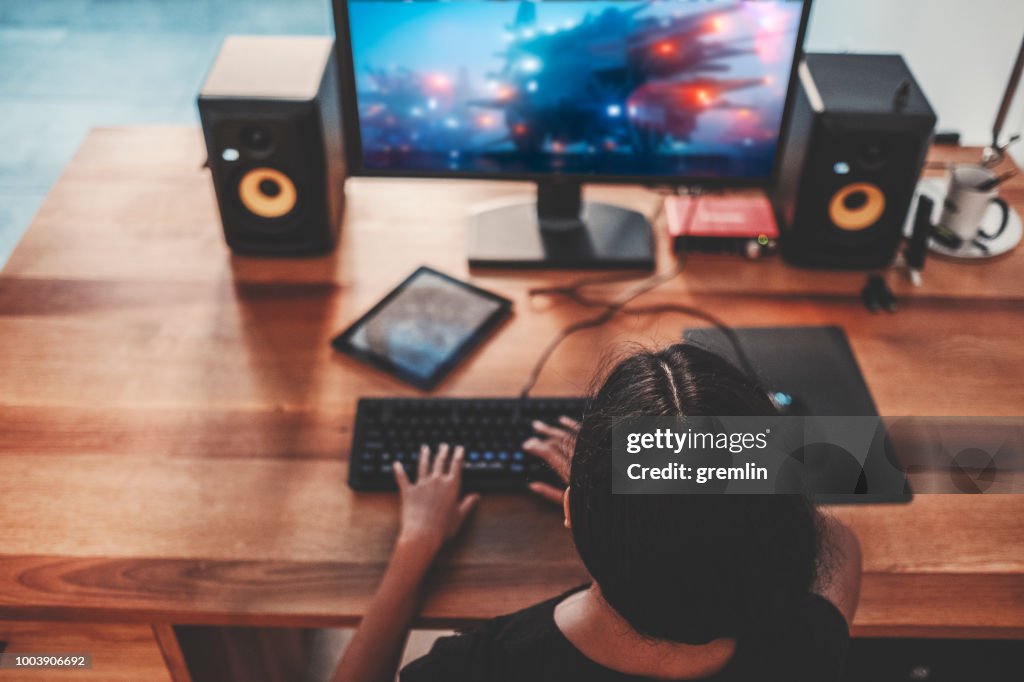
pixel 560 230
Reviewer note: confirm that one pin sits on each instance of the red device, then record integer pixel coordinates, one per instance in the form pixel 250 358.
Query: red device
pixel 726 223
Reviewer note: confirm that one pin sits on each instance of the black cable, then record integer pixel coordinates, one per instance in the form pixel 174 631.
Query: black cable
pixel 572 288
pixel 610 310
pixel 730 334
pixel 573 291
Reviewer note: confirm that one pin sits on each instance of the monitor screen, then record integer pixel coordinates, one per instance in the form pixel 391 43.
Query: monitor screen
pixel 680 89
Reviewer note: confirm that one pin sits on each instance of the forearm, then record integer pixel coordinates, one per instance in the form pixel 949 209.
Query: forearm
pixel 376 648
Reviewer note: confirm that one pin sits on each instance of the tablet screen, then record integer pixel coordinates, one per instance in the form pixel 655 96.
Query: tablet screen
pixel 422 326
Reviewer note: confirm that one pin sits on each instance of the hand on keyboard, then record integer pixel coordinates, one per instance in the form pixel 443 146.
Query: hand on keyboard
pixel 554 445
pixel 432 512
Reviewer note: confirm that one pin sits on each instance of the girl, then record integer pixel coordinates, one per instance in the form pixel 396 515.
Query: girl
pixel 685 587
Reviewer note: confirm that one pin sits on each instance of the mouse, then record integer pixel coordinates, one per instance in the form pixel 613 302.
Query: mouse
pixel 788 404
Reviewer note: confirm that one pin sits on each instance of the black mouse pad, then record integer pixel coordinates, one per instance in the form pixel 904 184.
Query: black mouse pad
pixel 817 367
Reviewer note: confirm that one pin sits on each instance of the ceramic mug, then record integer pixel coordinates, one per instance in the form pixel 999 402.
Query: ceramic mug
pixel 967 201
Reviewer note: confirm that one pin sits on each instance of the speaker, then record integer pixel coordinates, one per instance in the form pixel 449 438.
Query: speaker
pixel 272 124
pixel 858 134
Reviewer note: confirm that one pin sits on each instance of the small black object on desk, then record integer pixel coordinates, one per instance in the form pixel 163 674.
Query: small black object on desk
pixel 877 295
pixel 917 249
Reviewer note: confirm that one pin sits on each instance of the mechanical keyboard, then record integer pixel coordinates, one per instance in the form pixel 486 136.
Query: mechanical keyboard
pixel 492 431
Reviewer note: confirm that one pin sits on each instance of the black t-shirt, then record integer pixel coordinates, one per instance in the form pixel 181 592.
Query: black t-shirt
pixel 527 646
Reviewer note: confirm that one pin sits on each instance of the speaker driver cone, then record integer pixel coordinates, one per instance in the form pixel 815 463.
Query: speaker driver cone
pixel 857 206
pixel 267 192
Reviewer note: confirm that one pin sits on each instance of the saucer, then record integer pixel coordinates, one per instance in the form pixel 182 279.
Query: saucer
pixel 935 189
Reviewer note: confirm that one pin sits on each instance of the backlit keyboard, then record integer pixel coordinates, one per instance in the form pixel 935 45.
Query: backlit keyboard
pixel 492 430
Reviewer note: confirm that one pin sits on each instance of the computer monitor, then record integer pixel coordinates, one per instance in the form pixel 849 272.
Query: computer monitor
pixel 652 92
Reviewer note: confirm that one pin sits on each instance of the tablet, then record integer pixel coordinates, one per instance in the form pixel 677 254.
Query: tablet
pixel 422 329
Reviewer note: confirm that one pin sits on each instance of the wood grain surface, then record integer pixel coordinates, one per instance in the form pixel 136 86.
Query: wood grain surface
pixel 176 427
pixel 120 652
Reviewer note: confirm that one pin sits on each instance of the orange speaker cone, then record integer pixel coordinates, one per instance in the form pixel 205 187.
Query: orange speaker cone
pixel 267 192
pixel 857 206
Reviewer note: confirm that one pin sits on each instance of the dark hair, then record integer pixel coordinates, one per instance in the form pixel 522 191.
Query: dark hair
pixel 686 568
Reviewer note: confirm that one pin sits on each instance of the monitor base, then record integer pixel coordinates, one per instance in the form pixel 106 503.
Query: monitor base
pixel 602 237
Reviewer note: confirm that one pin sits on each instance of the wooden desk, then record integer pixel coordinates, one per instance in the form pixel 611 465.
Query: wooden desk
pixel 176 427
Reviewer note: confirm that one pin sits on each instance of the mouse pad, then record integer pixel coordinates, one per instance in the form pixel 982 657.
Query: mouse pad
pixel 818 368
pixel 813 364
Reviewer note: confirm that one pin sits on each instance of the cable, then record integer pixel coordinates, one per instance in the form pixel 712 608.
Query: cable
pixel 573 292
pixel 610 310
pixel 730 334
pixel 572 288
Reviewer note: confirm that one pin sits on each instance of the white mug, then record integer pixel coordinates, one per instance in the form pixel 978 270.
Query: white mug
pixel 966 203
